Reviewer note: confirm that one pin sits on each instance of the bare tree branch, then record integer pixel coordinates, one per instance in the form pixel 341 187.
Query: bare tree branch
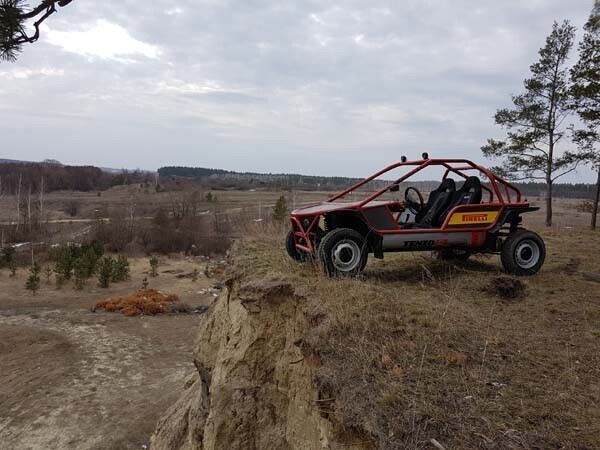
pixel 13 16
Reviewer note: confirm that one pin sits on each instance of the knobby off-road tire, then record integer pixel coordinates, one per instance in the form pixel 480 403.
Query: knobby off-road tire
pixel 343 253
pixel 523 253
pixel 290 246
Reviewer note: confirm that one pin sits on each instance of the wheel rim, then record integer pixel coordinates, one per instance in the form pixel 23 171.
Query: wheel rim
pixel 527 254
pixel 346 256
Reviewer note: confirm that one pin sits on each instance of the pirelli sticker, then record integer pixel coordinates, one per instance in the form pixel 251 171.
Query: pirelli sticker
pixel 473 218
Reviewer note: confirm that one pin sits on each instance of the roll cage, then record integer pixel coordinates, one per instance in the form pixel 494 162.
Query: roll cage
pixel 504 204
pixel 449 164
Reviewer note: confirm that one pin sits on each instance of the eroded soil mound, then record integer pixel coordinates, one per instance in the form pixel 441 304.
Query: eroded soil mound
pixel 148 302
pixel 505 287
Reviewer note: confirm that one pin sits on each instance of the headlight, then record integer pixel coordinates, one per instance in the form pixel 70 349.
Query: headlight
pixel 306 223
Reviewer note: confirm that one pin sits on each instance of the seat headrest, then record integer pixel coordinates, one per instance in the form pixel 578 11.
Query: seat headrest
pixel 471 183
pixel 448 184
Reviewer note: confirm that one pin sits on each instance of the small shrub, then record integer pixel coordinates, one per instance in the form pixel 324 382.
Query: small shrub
pixel 585 206
pixel 33 281
pixel 8 256
pixel 280 210
pixel 72 208
pixel 80 273
pixel 506 287
pixel 48 274
pixel 60 280
pixel 179 307
pixel 154 266
pixel 12 266
pixel 195 275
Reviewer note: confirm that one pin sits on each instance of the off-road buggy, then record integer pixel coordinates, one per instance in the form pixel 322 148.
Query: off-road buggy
pixel 456 221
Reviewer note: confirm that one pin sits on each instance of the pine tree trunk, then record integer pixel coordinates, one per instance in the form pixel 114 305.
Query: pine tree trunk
pixel 596 200
pixel 549 204
pixel 19 203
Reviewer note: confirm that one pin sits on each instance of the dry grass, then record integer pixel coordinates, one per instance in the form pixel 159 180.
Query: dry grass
pixel 418 350
pixel 143 302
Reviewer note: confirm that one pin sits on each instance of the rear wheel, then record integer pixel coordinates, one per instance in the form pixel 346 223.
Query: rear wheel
pixel 343 252
pixel 523 253
pixel 292 251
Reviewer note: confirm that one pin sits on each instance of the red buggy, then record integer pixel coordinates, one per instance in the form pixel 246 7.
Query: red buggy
pixel 456 221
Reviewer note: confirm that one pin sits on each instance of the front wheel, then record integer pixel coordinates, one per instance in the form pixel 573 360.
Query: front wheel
pixel 523 253
pixel 292 250
pixel 343 253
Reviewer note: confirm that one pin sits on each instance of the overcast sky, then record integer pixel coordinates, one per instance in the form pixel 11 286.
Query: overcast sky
pixel 314 87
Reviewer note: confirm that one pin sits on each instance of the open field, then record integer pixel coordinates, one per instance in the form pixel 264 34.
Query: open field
pixel 72 378
pixel 443 356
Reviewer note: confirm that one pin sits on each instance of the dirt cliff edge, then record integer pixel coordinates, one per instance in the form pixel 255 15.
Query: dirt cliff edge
pixel 253 388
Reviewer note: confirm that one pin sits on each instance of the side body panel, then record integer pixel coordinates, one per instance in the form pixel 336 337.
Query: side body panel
pixel 432 241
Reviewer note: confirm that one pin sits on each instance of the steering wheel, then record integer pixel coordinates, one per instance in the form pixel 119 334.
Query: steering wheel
pixel 414 200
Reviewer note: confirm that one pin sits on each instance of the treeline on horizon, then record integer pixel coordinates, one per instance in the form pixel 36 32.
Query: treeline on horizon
pixel 284 180
pixel 57 177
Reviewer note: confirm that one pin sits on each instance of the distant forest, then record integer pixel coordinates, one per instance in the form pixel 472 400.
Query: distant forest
pixel 56 177
pixel 226 178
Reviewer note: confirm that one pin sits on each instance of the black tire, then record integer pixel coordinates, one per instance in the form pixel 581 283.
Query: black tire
pixel 523 253
pixel 343 253
pixel 292 251
pixel 453 254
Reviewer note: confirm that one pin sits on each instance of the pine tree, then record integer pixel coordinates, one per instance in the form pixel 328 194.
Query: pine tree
pixel 280 210
pixel 65 258
pixel 14 14
pixel 33 281
pixel 48 274
pixel 105 271
pixel 536 123
pixel 154 266
pixel 585 76
pixel 12 266
pixel 120 269
pixel 80 272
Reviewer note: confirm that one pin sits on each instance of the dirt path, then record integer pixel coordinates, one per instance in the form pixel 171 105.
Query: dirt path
pixel 74 379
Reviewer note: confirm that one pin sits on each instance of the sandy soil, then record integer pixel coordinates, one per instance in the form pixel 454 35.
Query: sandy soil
pixel 74 379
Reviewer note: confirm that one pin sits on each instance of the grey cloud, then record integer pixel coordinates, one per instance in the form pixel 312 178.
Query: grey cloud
pixel 302 86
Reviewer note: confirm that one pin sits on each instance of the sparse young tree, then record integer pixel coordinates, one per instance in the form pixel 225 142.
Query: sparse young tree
pixel 585 76
pixel 210 197
pixel 48 274
pixel 535 125
pixel 14 14
pixel 154 266
pixel 33 281
pixel 120 269
pixel 64 258
pixel 12 266
pixel 280 210
pixel 105 271
pixel 8 255
pixel 80 272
